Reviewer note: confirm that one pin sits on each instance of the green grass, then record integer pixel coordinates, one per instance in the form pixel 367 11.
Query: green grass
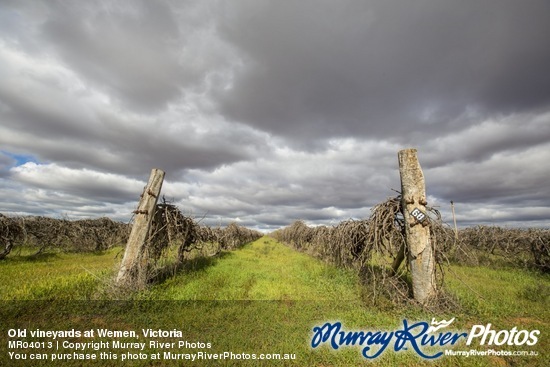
pixel 263 270
pixel 502 294
pixel 262 298
pixel 55 275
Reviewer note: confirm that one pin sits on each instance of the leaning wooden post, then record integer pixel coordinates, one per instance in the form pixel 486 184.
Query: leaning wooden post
pixel 129 268
pixel 413 203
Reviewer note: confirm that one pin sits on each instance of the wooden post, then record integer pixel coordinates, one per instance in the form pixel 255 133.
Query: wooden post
pixel 130 266
pixel 417 232
pixel 454 219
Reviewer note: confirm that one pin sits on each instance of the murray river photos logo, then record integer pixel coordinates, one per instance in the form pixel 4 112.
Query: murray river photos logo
pixel 418 337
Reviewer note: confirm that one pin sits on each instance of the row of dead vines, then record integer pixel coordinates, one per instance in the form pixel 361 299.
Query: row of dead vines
pixel 175 238
pixel 496 246
pixel 375 247
pixel 171 229
pixel 43 233
pixel 352 243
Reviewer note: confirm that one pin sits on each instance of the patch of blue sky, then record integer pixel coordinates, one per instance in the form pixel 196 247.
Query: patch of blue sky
pixel 20 159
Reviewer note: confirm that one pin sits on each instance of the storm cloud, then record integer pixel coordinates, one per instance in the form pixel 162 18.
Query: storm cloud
pixel 386 68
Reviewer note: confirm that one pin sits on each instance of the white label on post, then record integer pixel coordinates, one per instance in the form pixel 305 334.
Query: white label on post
pixel 418 214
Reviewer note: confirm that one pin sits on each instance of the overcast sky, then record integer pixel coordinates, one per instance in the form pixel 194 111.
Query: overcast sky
pixel 265 112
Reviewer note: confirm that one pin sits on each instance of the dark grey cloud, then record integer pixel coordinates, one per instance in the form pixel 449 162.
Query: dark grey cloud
pixel 481 141
pixel 507 178
pixel 5 163
pixel 125 145
pixel 117 87
pixel 385 68
pixel 78 183
pixel 131 50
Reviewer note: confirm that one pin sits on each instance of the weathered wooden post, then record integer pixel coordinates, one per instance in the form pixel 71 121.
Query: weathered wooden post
pixel 129 268
pixel 454 219
pixel 421 255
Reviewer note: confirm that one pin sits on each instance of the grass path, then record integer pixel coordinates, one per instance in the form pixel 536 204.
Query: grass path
pixel 262 270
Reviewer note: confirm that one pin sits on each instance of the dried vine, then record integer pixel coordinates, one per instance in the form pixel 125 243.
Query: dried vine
pixel 42 233
pixel 375 247
pixel 174 238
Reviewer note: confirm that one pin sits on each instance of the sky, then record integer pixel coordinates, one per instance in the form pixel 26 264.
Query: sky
pixel 266 112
